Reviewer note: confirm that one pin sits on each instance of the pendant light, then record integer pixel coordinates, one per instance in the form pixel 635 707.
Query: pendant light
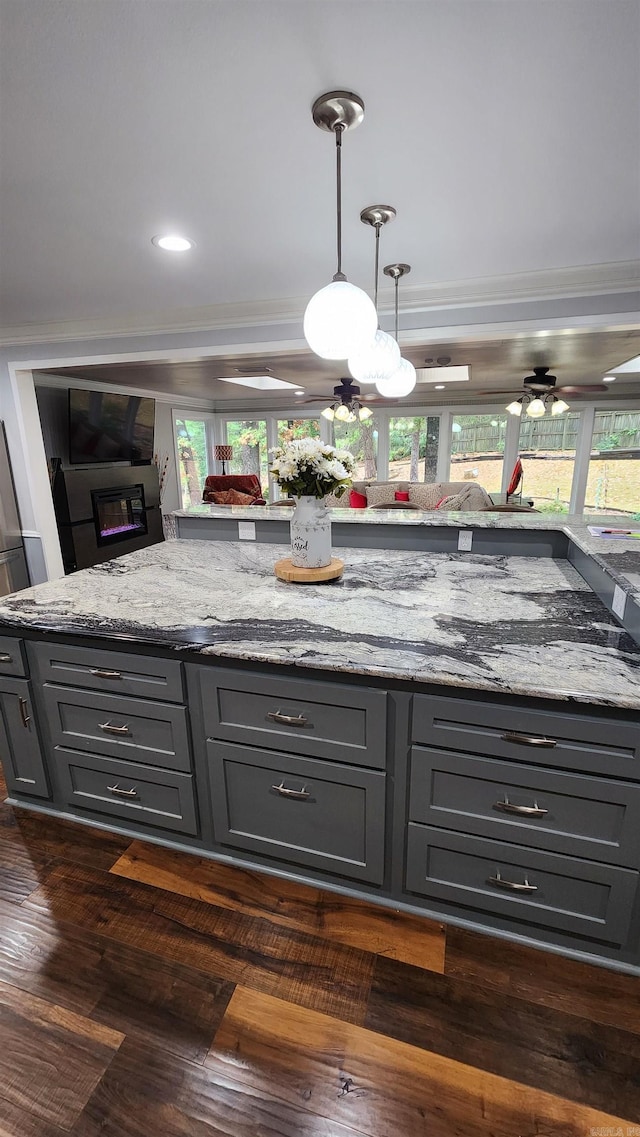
pixel 340 319
pixel 382 357
pixel 403 380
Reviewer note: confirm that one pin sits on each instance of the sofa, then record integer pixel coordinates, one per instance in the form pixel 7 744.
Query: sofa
pixel 413 495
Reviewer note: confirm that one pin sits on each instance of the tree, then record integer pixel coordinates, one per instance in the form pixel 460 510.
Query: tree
pixel 187 452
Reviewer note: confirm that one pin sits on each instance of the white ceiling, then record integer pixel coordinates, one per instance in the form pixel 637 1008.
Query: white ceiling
pixel 504 132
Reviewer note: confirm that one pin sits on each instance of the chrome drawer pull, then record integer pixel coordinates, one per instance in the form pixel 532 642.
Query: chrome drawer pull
pixel 24 713
pixel 300 795
pixel 109 729
pixel 528 739
pixel 123 793
pixel 103 674
pixel 288 720
pixel 512 885
pixel 5 657
pixel 525 810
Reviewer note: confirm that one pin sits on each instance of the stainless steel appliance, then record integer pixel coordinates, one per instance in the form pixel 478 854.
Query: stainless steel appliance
pixel 13 566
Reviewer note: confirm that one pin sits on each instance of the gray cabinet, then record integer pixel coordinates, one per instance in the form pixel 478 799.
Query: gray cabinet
pixel 559 738
pixel 326 720
pixel 19 742
pixel 115 672
pixel 529 805
pixel 127 791
pixel 11 656
pixel 299 810
pixel 136 730
pixel 590 901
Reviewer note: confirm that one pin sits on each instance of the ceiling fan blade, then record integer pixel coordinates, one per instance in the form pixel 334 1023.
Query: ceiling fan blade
pixel 584 389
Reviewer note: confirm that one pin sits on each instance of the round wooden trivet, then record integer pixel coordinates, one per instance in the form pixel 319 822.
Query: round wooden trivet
pixel 285 570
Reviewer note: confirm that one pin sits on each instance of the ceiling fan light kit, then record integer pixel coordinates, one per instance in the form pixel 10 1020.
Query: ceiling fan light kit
pixel 539 396
pixel 340 319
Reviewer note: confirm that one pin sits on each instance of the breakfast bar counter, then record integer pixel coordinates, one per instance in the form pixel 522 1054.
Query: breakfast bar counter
pixel 448 733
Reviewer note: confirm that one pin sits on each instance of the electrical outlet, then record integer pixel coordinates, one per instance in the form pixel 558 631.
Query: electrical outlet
pixel 618 603
pixel 465 540
pixel 246 530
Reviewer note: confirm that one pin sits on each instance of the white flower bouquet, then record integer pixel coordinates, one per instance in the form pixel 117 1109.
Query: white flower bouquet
pixel 307 467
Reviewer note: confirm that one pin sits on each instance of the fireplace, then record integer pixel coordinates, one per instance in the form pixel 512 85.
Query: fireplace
pixel 119 514
pixel 105 512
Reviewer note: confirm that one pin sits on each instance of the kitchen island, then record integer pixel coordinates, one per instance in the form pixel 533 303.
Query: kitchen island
pixel 454 734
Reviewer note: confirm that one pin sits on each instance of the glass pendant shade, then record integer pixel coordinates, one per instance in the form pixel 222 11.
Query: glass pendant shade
pixel 328 413
pixel 535 408
pixel 559 407
pixel 378 361
pixel 342 413
pixel 515 408
pixel 340 321
pixel 401 383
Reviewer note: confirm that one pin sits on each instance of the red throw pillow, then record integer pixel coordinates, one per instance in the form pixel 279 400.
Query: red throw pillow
pixel 237 497
pixel 230 497
pixel 357 500
pixel 401 495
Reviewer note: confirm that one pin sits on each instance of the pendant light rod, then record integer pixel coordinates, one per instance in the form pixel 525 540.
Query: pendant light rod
pixel 396 271
pixel 337 111
pixel 377 216
pixel 340 127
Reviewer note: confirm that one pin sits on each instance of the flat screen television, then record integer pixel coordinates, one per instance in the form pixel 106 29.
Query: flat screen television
pixel 105 427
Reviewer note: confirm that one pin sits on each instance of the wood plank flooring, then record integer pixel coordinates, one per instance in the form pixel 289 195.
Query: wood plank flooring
pixel 145 992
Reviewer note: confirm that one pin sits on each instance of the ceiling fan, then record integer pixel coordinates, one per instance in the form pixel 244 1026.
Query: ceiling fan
pixel 347 404
pixel 541 383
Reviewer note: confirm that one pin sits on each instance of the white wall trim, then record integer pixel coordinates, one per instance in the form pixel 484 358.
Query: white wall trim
pixel 548 284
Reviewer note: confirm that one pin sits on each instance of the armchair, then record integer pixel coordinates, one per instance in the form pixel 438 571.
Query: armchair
pixel 244 483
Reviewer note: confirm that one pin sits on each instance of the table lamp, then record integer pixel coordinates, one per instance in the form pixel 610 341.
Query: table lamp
pixel 223 454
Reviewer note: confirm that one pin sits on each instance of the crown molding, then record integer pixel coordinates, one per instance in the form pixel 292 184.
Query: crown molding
pixel 551 284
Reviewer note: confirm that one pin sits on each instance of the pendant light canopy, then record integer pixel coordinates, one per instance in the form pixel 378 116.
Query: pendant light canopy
pixel 382 357
pixel 340 319
pixel 403 380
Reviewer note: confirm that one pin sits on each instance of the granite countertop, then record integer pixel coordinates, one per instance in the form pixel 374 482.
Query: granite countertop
pixel 620 558
pixel 494 623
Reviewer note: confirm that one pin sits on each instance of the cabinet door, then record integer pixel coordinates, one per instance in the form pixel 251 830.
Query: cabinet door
pixel 19 742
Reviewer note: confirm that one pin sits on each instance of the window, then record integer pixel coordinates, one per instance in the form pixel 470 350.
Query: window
pixel 193 462
pixel 548 451
pixel 613 482
pixel 361 439
pixel 248 437
pixel 294 428
pixel 477 447
pixel 413 449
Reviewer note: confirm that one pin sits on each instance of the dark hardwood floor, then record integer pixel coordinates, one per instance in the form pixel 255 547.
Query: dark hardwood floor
pixel 145 993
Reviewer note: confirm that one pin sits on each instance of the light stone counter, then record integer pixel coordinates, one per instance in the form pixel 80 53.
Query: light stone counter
pixel 492 623
pixel 620 558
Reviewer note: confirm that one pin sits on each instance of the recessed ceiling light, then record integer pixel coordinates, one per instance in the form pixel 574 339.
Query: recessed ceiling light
pixel 258 382
pixel 299 392
pixel 439 387
pixel 608 378
pixel 172 243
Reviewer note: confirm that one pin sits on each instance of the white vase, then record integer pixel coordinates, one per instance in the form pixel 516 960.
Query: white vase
pixel 310 533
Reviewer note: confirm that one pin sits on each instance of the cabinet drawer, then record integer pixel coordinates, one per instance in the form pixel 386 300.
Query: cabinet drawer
pixel 566 813
pixel 20 751
pixel 134 729
pixel 11 656
pixel 113 671
pixel 299 810
pixel 584 899
pixel 127 790
pixel 345 724
pixel 562 739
